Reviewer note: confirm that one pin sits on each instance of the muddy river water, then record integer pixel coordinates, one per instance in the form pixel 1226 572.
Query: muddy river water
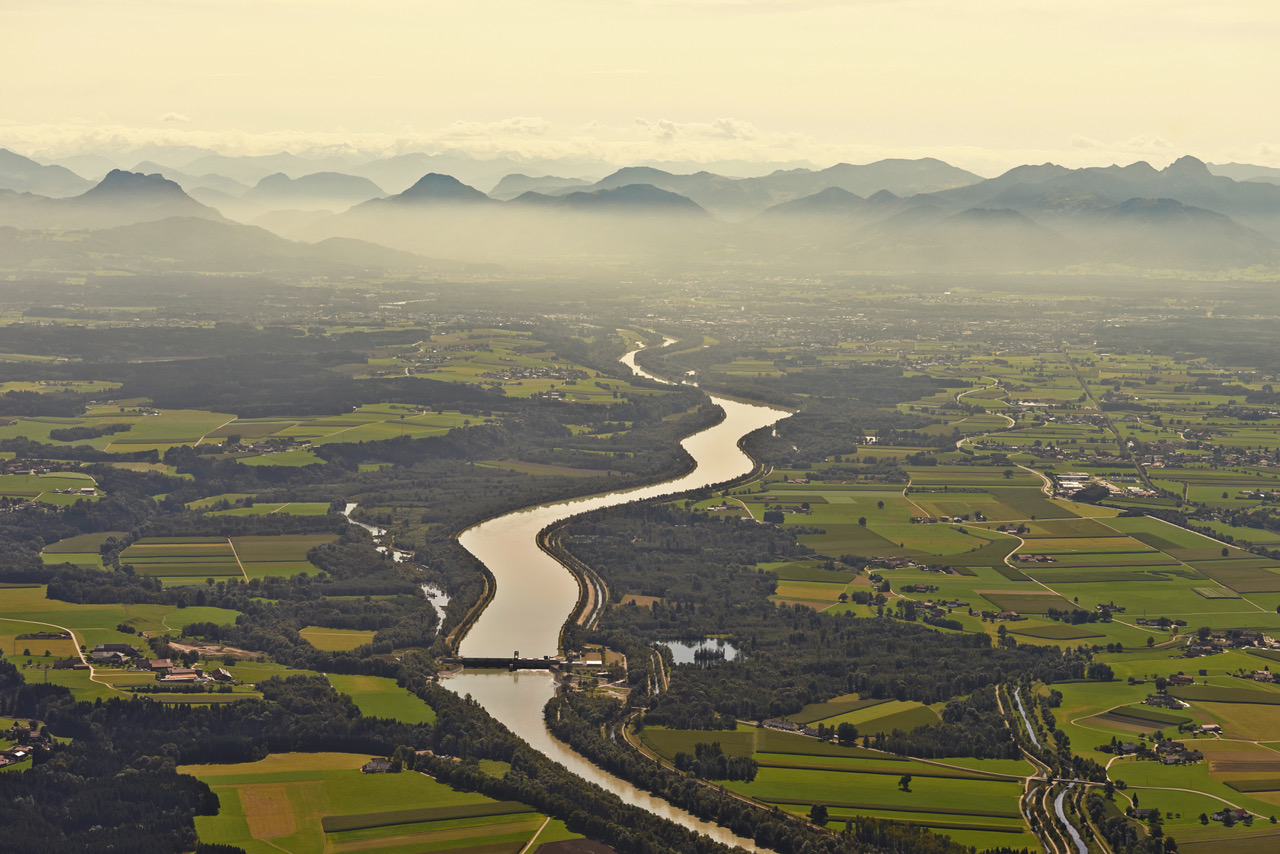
pixel 535 594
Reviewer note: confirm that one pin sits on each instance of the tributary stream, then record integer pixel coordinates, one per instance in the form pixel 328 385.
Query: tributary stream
pixel 535 594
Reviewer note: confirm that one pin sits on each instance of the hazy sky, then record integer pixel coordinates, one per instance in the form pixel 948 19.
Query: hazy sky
pixel 984 84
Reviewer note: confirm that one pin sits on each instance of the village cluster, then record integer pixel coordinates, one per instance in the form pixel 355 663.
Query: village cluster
pixel 166 671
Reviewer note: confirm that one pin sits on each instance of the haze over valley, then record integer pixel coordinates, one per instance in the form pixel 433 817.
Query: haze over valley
pixel 907 215
pixel 639 427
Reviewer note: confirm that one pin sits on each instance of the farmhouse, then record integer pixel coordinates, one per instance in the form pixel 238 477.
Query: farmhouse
pixel 24 735
pixel 14 756
pixel 123 648
pixel 376 766
pixel 179 674
pixel 44 636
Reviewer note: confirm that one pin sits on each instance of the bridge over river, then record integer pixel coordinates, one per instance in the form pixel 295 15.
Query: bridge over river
pixel 534 594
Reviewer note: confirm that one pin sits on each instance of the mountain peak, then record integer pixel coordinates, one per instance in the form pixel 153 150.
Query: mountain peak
pixel 1188 167
pixel 437 187
pixel 121 184
pixel 275 180
pixel 318 186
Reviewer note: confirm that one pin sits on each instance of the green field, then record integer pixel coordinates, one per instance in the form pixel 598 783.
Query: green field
pixel 81 550
pixel 335 640
pixel 975 803
pixel 1059 631
pixel 44 487
pixel 815 712
pixel 26 609
pixel 192 560
pixel 1226 694
pixel 380 697
pixel 319 803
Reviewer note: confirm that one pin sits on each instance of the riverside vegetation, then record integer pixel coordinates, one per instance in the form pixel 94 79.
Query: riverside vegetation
pixel 990 555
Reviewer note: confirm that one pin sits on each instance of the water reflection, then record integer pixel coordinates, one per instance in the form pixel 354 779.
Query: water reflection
pixel 535 595
pixel 701 652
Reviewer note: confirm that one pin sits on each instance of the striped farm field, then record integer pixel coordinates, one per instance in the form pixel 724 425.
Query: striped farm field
pixel 81 542
pixel 178 558
pixel 1026 602
pixel 1258 784
pixel 282 547
pixel 1226 694
pixel 1074 545
pixel 1241 720
pixel 1148 715
pixel 321 802
pixel 838 706
pixel 1060 631
pixel 293 508
pixel 669 742
pixel 776 741
pixel 887 716
pixel 386 818
pixel 880 807
pixel 931 799
pixel 889 769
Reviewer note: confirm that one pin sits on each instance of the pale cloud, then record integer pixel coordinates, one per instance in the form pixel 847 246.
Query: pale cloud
pixel 722 128
pixel 734 129
pixel 622 144
pixel 984 84
pixel 516 125
pixel 175 117
pixel 1156 148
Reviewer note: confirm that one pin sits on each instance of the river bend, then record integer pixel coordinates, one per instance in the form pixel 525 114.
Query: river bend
pixel 534 596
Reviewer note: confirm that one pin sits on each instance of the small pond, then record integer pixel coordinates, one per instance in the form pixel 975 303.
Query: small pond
pixel 706 651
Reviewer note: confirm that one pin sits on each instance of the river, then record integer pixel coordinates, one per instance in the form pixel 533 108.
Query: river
pixel 535 595
pixel 1081 847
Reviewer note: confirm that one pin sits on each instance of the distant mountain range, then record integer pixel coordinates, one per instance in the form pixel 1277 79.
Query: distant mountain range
pixel 1181 216
pixel 198 245
pixel 516 184
pixel 24 175
pixel 893 214
pixel 121 198
pixel 317 190
pixel 739 198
